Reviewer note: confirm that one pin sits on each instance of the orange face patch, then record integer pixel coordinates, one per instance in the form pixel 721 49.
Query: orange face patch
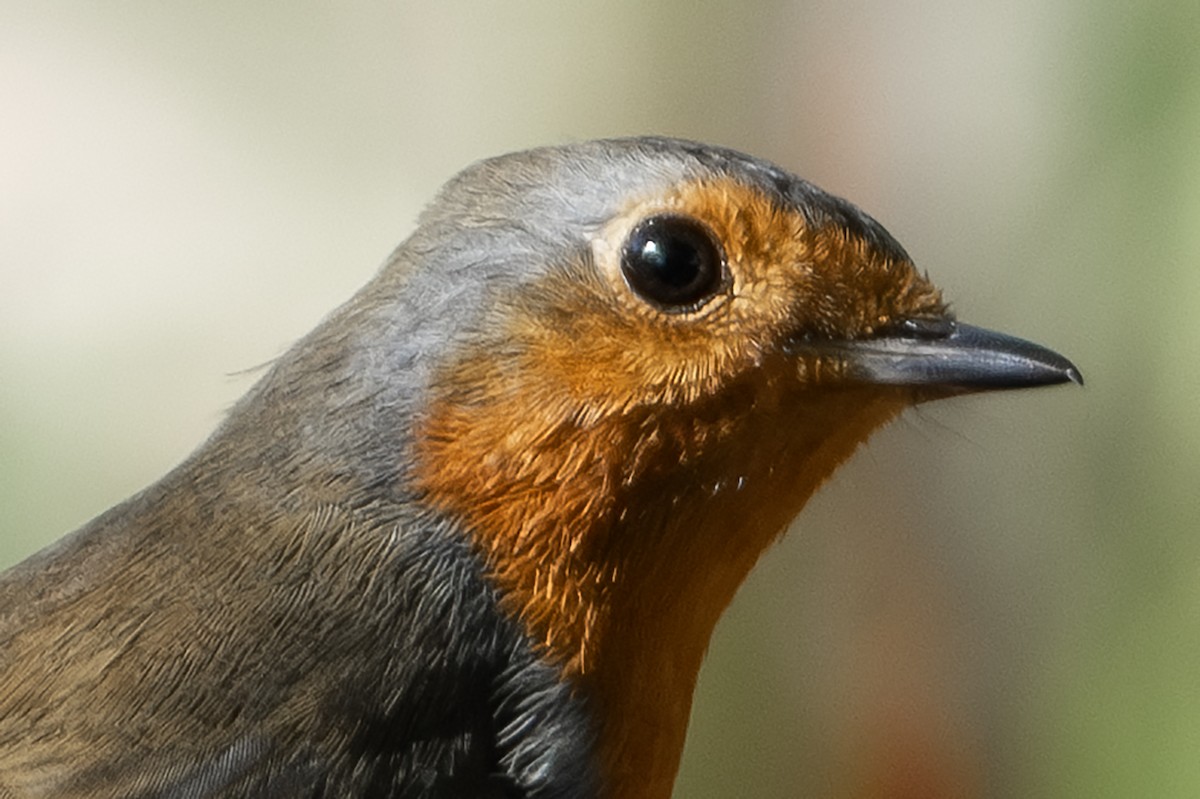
pixel 531 436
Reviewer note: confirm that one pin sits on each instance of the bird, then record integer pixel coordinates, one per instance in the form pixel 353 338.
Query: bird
pixel 470 536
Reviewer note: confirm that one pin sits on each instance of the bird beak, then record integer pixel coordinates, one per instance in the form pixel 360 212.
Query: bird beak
pixel 942 357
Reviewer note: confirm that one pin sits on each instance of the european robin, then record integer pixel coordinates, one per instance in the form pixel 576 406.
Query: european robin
pixel 470 536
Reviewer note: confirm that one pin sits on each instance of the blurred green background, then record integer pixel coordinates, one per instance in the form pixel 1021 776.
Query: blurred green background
pixel 999 596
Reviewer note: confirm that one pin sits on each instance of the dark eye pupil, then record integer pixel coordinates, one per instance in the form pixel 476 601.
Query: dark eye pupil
pixel 672 262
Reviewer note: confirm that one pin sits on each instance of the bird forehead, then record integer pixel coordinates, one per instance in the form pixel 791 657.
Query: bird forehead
pixel 549 190
pixel 542 205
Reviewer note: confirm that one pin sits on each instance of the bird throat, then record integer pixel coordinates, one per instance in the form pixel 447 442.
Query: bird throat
pixel 618 545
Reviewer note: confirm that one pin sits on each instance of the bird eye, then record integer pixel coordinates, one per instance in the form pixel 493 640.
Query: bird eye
pixel 673 262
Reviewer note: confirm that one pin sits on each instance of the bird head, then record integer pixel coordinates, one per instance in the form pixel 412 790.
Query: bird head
pixel 624 367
